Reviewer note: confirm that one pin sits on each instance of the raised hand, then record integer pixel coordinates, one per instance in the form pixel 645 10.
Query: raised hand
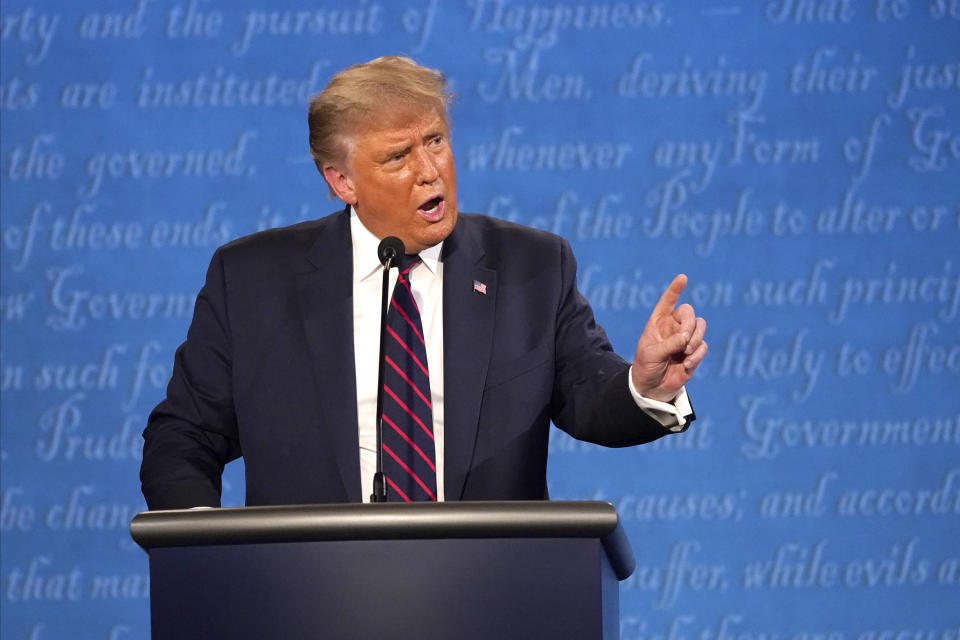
pixel 670 347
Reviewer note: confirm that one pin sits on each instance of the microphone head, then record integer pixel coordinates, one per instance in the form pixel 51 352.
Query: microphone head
pixel 390 248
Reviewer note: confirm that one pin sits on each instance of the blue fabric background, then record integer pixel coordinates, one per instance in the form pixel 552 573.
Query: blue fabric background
pixel 797 158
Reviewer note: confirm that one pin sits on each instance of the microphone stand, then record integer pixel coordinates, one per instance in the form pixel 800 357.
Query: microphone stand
pixel 379 486
pixel 390 248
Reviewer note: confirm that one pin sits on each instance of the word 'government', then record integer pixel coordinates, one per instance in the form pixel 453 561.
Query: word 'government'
pixel 768 436
pixel 73 308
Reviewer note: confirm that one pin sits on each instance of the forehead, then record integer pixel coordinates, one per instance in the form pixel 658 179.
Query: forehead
pixel 394 128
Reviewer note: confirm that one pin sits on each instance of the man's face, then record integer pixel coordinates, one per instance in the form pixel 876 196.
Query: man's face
pixel 402 181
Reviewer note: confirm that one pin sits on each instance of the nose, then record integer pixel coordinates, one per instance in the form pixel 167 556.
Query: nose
pixel 427 171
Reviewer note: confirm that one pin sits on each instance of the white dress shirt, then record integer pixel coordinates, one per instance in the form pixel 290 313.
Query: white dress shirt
pixel 426 282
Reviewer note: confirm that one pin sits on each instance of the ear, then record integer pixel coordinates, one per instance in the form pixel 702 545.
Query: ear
pixel 340 183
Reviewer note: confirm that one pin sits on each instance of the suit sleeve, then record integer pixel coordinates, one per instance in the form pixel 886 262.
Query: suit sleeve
pixel 591 394
pixel 192 433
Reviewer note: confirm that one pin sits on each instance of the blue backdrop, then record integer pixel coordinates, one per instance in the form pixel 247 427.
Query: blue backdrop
pixel 797 158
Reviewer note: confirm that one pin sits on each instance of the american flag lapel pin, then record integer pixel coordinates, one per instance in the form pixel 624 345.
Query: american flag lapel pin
pixel 480 287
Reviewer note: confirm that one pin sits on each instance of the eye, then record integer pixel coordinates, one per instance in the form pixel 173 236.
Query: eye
pixel 437 140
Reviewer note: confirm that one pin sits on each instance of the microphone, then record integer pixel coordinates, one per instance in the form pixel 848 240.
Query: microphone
pixel 389 250
pixel 390 247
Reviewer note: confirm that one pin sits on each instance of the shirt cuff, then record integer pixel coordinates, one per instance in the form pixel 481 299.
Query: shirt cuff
pixel 672 415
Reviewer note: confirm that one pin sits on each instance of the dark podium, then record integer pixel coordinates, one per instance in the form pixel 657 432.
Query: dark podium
pixel 449 570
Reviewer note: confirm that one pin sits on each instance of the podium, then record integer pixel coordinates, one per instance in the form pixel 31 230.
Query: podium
pixel 428 571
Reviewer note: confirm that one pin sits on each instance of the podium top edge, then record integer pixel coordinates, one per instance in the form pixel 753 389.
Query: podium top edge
pixel 311 523
pixel 289 523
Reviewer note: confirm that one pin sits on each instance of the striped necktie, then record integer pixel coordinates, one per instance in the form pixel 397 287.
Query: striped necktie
pixel 409 461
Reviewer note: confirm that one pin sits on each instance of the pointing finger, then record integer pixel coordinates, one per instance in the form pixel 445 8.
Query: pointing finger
pixel 669 298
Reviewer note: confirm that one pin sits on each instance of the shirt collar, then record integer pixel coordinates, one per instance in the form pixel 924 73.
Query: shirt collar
pixel 365 261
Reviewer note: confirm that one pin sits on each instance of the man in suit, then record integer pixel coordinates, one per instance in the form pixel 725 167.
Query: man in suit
pixel 280 363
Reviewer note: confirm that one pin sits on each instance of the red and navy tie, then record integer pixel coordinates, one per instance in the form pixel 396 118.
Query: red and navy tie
pixel 409 461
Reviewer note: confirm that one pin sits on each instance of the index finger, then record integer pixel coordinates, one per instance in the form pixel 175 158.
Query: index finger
pixel 668 300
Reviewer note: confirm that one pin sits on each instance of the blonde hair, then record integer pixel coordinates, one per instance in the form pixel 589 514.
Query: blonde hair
pixel 365 93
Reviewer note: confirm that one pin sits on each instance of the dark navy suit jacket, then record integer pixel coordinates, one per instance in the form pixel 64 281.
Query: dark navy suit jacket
pixel 267 370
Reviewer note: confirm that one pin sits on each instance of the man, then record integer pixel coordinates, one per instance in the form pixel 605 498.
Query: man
pixel 280 362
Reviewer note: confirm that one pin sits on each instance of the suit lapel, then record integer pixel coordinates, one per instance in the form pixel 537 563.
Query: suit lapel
pixel 467 336
pixel 326 300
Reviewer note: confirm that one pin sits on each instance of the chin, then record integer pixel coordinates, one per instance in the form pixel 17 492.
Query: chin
pixel 436 232
pixel 444 228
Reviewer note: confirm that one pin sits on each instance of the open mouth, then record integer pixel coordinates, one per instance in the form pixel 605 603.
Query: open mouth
pixel 432 208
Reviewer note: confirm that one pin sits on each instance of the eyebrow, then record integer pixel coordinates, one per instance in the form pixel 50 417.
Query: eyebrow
pixel 433 130
pixel 437 128
pixel 392 151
